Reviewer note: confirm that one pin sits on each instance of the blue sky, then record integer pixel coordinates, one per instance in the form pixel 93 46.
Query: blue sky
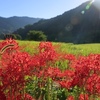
pixel 37 8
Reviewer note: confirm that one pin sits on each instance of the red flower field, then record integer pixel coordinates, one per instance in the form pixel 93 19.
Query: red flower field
pixel 47 74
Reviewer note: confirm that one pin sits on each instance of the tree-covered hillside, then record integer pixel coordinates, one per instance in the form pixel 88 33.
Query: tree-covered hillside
pixel 8 25
pixel 79 25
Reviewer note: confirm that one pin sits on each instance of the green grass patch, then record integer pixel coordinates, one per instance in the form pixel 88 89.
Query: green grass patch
pixel 77 49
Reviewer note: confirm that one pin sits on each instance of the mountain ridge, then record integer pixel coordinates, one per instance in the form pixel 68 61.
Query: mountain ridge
pixel 10 24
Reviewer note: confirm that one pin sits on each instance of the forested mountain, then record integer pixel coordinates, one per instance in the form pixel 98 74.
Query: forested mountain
pixel 79 25
pixel 8 25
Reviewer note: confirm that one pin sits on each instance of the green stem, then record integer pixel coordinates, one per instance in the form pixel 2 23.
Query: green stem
pixel 48 89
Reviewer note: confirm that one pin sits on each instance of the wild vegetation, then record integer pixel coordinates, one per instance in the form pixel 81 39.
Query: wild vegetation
pixel 76 49
pixel 46 71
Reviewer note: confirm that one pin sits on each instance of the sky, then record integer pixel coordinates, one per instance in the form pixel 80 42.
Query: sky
pixel 37 8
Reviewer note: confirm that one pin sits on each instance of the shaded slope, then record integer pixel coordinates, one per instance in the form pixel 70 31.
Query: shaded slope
pixel 10 24
pixel 79 25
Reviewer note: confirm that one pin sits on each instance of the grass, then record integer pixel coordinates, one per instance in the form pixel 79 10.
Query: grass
pixel 29 46
pixel 83 49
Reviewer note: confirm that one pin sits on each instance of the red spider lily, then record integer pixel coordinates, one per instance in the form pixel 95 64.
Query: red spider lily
pixel 8 45
pixel 82 72
pixel 28 97
pixel 93 85
pixel 70 98
pixel 69 57
pixel 14 71
pixel 83 97
pixel 21 97
pixel 47 52
pixel 47 55
pixel 54 73
pixel 45 46
pixel 95 63
pixel 67 78
pixel 65 84
pixel 85 67
pixel 2 95
pixel 17 63
pixel 87 73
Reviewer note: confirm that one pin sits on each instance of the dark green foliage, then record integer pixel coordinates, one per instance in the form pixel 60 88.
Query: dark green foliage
pixel 18 37
pixel 13 36
pixel 36 36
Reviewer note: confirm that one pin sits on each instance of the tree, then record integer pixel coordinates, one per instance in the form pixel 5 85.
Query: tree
pixel 36 35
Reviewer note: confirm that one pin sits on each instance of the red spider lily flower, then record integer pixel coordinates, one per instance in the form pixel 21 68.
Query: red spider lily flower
pixel 15 69
pixel 67 79
pixel 83 97
pixel 45 46
pixel 21 97
pixel 95 63
pixel 2 95
pixel 68 74
pixel 47 55
pixel 69 57
pixel 8 45
pixel 65 84
pixel 70 98
pixel 54 73
pixel 28 97
pixel 93 85
pixel 84 67
pixel 47 51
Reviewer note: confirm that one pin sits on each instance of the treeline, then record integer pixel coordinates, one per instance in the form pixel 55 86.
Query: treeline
pixel 31 35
